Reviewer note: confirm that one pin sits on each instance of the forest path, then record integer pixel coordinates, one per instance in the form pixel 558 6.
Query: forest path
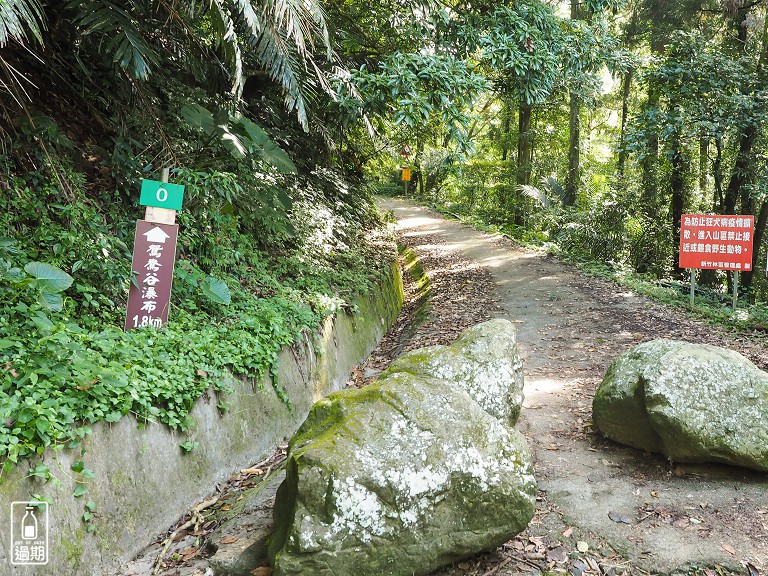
pixel 570 327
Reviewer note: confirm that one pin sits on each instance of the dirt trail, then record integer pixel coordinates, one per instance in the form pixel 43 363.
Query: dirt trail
pixel 570 328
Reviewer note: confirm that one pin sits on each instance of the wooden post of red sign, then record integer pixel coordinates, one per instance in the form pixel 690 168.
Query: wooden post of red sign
pixel 693 285
pixel 735 290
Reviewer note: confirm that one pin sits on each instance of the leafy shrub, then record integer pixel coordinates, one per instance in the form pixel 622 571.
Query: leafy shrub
pixel 64 362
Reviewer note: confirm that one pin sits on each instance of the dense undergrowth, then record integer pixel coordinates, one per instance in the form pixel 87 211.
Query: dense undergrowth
pixel 67 364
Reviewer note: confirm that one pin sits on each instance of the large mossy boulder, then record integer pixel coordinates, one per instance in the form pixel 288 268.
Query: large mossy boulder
pixel 484 361
pixel 691 402
pixel 399 478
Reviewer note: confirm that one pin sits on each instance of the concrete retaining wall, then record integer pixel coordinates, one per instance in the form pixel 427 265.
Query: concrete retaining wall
pixel 144 482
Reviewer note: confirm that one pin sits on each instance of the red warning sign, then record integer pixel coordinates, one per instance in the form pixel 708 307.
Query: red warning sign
pixel 716 242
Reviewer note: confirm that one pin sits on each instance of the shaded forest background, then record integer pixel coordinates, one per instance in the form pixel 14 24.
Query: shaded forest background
pixel 586 126
pixel 591 124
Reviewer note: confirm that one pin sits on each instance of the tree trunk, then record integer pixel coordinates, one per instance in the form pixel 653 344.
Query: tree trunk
pixel 677 204
pixel 524 145
pixel 649 165
pixel 626 85
pixel 524 156
pixel 420 184
pixel 703 157
pixel 505 126
pixel 743 172
pixel 717 172
pixel 742 169
pixel 574 137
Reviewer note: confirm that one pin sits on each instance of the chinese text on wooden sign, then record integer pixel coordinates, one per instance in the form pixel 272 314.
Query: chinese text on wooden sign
pixel 154 255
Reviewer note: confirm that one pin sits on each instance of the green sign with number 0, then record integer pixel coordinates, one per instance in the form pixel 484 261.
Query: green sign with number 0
pixel 161 194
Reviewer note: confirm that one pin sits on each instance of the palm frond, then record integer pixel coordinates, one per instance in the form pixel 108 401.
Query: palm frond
pixel 18 18
pixel 301 21
pixel 128 47
pixel 555 187
pixel 280 60
pixel 247 17
pixel 228 45
pixel 284 34
pixel 535 194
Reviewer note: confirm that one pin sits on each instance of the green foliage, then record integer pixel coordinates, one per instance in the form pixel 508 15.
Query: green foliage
pixel 189 445
pixel 65 368
pixel 419 87
pixel 118 30
pixel 216 291
pixel 239 135
pixel 18 18
pixel 523 44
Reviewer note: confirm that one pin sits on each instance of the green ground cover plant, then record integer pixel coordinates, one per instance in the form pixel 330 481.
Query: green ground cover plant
pixel 65 362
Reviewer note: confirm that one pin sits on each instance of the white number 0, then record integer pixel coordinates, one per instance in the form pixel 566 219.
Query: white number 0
pixel 161 195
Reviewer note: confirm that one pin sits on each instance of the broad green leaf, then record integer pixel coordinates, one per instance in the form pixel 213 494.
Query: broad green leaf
pixel 88 473
pixel 216 291
pixel 49 278
pixel 8 246
pixel 53 302
pixel 6 343
pixel 269 151
pixel 233 143
pixel 40 471
pixel 77 466
pixel 277 157
pixel 198 117
pixel 42 322
pixel 80 490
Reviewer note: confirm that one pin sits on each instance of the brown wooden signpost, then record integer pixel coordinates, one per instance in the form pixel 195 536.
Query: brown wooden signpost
pixel 154 255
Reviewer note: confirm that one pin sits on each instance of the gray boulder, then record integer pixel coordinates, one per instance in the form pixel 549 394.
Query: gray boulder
pixel 691 402
pixel 484 361
pixel 399 478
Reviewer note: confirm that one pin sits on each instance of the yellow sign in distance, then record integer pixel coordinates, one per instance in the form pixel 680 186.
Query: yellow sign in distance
pixel 406 174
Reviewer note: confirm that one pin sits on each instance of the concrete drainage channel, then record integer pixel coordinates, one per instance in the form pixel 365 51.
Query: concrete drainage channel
pixel 242 516
pixel 144 482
